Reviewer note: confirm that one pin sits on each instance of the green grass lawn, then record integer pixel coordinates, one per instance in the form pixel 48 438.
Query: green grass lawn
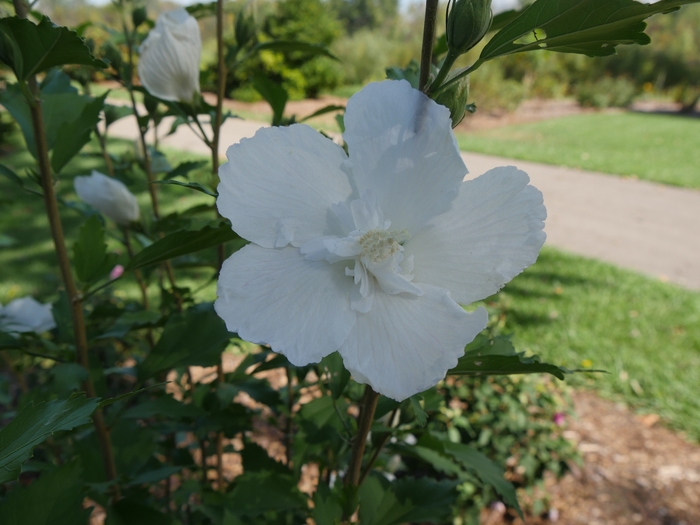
pixel 660 148
pixel 579 312
pixel 567 309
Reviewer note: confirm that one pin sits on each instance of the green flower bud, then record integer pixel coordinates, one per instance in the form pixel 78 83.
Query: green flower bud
pixel 455 98
pixel 138 16
pixel 112 55
pixel 467 23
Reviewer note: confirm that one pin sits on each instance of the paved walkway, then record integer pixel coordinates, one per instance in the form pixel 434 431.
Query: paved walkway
pixel 651 228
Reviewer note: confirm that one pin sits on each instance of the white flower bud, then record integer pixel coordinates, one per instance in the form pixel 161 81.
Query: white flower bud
pixel 169 63
pixel 108 196
pixel 26 315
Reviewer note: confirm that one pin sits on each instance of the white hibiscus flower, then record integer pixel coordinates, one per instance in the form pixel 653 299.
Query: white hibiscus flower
pixel 370 254
pixel 26 315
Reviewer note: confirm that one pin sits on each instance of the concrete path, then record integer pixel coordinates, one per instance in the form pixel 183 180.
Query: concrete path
pixel 651 228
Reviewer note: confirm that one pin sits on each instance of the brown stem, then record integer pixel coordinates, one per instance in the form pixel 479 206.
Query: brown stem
pixel 220 482
pixel 426 56
pixel 288 422
pixel 378 449
pixel 368 406
pixel 51 204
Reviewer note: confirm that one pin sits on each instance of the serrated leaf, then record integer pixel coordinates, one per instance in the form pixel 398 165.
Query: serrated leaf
pixel 182 243
pixel 590 27
pixel 486 469
pixel 34 424
pixel 259 492
pixel 497 356
pixel 29 48
pixel 420 414
pixel 407 500
pixel 338 374
pixel 54 499
pixel 196 336
pixel 90 251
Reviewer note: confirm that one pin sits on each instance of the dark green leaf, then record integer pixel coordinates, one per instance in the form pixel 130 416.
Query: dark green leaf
pixel 590 27
pixel 129 321
pixel 90 251
pixel 326 109
pixel 56 81
pixel 191 185
pixel 196 336
pixel 164 406
pixel 420 414
pixel 407 500
pixel 498 357
pixel 339 376
pixel 34 424
pixel 259 492
pixel 54 499
pixel 486 469
pixel 11 175
pixel 182 243
pixel 71 135
pixel 154 476
pixel 274 94
pixel 114 113
pixel 129 511
pixel 327 507
pixel 183 169
pixel 29 48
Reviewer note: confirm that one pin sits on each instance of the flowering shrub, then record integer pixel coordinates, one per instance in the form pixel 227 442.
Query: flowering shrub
pixel 133 394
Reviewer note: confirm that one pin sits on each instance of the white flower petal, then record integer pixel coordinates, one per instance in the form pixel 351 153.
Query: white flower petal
pixel 279 186
pixel 300 308
pixel 493 231
pixel 402 148
pixel 109 196
pixel 26 315
pixel 170 56
pixel 405 344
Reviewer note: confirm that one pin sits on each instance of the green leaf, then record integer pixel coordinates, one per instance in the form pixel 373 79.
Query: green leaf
pixel 191 185
pixel 34 424
pixel 497 356
pixel 420 414
pixel 90 251
pixel 183 169
pixel 325 109
pixel 29 48
pixel 590 27
pixel 113 113
pixel 56 81
pixel 328 509
pixel 164 406
pixel 259 492
pixel 69 119
pixel 72 135
pixel 11 175
pixel 182 243
pixel 54 499
pixel 129 511
pixel 196 336
pixel 486 469
pixel 274 94
pixel 339 375
pixel 407 500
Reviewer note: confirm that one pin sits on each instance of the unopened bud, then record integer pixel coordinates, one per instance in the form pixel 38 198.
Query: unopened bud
pixel 455 98
pixel 138 16
pixel 467 23
pixel 112 55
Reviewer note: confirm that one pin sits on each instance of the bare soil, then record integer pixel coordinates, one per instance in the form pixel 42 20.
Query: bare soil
pixel 635 471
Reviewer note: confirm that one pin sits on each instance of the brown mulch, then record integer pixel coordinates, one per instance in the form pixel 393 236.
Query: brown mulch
pixel 635 471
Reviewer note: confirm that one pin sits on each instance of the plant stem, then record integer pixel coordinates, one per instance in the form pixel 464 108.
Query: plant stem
pixel 378 449
pixel 288 422
pixel 444 71
pixel 368 406
pixel 77 316
pixel 220 249
pixel 461 73
pixel 426 55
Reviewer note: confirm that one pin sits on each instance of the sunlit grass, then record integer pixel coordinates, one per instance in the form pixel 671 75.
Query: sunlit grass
pixel 660 148
pixel 579 312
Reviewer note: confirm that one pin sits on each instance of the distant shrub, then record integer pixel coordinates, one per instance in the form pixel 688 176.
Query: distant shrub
pixel 607 92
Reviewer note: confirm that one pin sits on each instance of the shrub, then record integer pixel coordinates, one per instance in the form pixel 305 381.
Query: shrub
pixel 608 92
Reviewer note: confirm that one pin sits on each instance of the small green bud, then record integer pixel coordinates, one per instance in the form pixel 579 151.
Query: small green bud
pixel 112 55
pixel 455 98
pixel 467 23
pixel 138 16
